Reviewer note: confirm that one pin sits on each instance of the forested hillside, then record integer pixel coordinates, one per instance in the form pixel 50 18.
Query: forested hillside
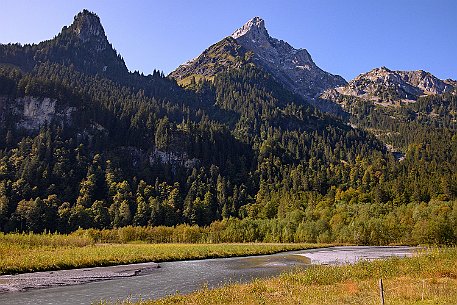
pixel 86 144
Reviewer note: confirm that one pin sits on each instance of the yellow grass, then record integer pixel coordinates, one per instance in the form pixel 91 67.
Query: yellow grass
pixel 185 82
pixel 30 252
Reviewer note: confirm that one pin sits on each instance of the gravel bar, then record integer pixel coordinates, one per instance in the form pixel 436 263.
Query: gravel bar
pixel 26 281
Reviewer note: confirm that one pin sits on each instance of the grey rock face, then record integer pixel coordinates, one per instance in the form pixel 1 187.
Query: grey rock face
pixel 31 113
pixel 173 158
pixel 425 82
pixel 292 67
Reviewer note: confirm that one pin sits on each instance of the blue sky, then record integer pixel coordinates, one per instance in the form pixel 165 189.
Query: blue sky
pixel 343 37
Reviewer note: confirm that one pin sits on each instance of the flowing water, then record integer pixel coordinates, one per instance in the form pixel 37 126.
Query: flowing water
pixel 188 276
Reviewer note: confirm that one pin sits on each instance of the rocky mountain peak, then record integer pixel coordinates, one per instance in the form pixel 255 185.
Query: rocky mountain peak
pixel 85 45
pixel 255 28
pixel 292 67
pixel 88 28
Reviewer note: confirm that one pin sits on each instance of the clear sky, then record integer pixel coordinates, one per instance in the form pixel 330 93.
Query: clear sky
pixel 343 37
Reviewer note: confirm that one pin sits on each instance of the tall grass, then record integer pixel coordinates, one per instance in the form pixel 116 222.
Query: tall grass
pixel 225 231
pixel 47 239
pixel 159 234
pixel 39 252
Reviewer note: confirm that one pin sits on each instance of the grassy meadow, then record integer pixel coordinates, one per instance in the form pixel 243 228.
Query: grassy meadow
pixel 428 278
pixel 40 252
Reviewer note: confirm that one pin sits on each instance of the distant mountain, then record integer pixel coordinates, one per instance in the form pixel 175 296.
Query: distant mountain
pixel 388 87
pixel 293 68
pixel 399 107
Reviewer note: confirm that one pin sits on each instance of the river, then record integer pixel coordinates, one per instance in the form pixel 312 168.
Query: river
pixel 188 276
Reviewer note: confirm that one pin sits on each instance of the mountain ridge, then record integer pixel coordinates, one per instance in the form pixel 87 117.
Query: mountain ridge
pixel 386 86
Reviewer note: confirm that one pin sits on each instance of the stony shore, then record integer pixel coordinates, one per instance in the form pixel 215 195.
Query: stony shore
pixel 21 282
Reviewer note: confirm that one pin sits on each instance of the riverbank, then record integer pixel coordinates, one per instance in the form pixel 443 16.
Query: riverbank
pixel 26 281
pixel 427 278
pixel 31 253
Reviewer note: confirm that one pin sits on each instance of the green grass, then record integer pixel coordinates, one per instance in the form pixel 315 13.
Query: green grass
pixel 21 253
pixel 428 278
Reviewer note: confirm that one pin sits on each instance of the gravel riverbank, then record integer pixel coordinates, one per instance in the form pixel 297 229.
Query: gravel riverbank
pixel 26 281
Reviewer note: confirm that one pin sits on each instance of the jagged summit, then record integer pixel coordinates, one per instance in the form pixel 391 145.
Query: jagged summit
pixel 254 27
pixel 84 18
pixel 293 67
pixel 85 45
pixel 88 28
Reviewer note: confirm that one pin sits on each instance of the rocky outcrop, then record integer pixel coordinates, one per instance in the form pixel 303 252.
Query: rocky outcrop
pixel 385 86
pixel 452 83
pixel 87 27
pixel 138 157
pixel 31 113
pixel 424 81
pixel 174 159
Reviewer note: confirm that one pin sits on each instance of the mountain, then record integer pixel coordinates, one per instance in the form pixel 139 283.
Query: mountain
pixel 387 87
pixel 293 68
pixel 77 126
pixel 84 47
pixel 83 44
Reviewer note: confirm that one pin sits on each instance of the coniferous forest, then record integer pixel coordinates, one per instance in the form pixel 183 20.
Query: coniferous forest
pixel 84 143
